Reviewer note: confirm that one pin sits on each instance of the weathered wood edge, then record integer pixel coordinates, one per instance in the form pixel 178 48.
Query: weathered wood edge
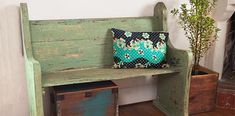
pixel 178 85
pixel 87 76
pixel 168 107
pixel 25 29
pixel 32 67
pixel 87 19
pixel 160 13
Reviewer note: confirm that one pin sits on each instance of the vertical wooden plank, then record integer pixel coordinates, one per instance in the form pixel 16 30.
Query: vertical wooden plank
pixel 160 14
pixel 25 30
pixel 173 89
pixel 33 69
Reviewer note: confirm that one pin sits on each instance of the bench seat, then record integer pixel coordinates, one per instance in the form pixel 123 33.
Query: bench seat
pixel 75 76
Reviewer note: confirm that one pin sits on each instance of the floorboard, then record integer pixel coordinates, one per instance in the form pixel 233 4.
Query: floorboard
pixel 148 109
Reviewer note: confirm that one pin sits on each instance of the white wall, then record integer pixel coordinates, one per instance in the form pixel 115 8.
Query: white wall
pixel 13 93
pixel 215 56
pixel 214 59
pixel 13 96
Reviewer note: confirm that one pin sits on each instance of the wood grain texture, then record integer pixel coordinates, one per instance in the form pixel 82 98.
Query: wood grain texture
pixel 173 90
pixel 140 109
pixel 33 69
pixel 225 98
pixel 89 99
pixel 203 91
pixel 83 43
pixel 226 94
pixel 98 74
pixel 67 51
pixel 147 109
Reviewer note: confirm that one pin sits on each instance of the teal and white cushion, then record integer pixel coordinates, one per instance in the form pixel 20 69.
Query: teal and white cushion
pixel 139 49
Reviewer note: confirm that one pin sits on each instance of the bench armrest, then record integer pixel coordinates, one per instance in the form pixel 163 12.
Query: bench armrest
pixel 33 68
pixel 34 86
pixel 179 58
pixel 173 90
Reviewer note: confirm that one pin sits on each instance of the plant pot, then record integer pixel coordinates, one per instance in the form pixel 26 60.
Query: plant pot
pixel 202 96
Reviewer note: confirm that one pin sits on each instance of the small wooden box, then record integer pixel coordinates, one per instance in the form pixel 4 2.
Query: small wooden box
pixel 226 100
pixel 90 99
pixel 226 97
pixel 202 96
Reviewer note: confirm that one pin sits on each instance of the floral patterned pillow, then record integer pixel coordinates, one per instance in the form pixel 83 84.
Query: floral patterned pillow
pixel 139 49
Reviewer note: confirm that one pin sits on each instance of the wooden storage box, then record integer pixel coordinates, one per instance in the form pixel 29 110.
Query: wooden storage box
pixel 226 99
pixel 90 99
pixel 226 94
pixel 202 96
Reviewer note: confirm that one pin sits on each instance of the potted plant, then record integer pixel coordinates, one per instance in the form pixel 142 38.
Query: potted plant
pixel 201 32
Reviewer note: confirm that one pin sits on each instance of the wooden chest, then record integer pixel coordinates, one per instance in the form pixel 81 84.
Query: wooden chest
pixel 226 99
pixel 90 99
pixel 226 95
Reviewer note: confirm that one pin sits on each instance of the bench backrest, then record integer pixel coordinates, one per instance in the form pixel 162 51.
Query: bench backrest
pixel 81 43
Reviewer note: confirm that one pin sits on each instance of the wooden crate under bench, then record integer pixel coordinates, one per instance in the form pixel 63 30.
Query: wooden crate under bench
pixel 87 99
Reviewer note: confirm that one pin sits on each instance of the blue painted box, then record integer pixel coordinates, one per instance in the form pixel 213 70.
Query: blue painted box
pixel 88 99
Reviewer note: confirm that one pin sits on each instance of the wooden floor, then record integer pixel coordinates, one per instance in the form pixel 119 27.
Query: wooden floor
pixel 148 109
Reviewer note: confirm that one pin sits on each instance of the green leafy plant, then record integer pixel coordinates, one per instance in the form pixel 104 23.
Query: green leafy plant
pixel 199 26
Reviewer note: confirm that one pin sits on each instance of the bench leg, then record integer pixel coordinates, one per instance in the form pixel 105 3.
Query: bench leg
pixel 35 93
pixel 173 89
pixel 35 103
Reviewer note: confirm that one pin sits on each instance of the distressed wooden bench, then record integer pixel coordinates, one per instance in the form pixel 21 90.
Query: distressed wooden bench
pixel 61 52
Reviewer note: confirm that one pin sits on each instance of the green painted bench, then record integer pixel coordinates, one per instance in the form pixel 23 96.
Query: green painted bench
pixel 61 52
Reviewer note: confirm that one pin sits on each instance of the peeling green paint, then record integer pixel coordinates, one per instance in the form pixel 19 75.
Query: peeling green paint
pixel 52 46
pixel 100 103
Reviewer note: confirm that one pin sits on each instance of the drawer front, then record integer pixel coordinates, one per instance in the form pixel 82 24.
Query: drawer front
pixel 89 103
